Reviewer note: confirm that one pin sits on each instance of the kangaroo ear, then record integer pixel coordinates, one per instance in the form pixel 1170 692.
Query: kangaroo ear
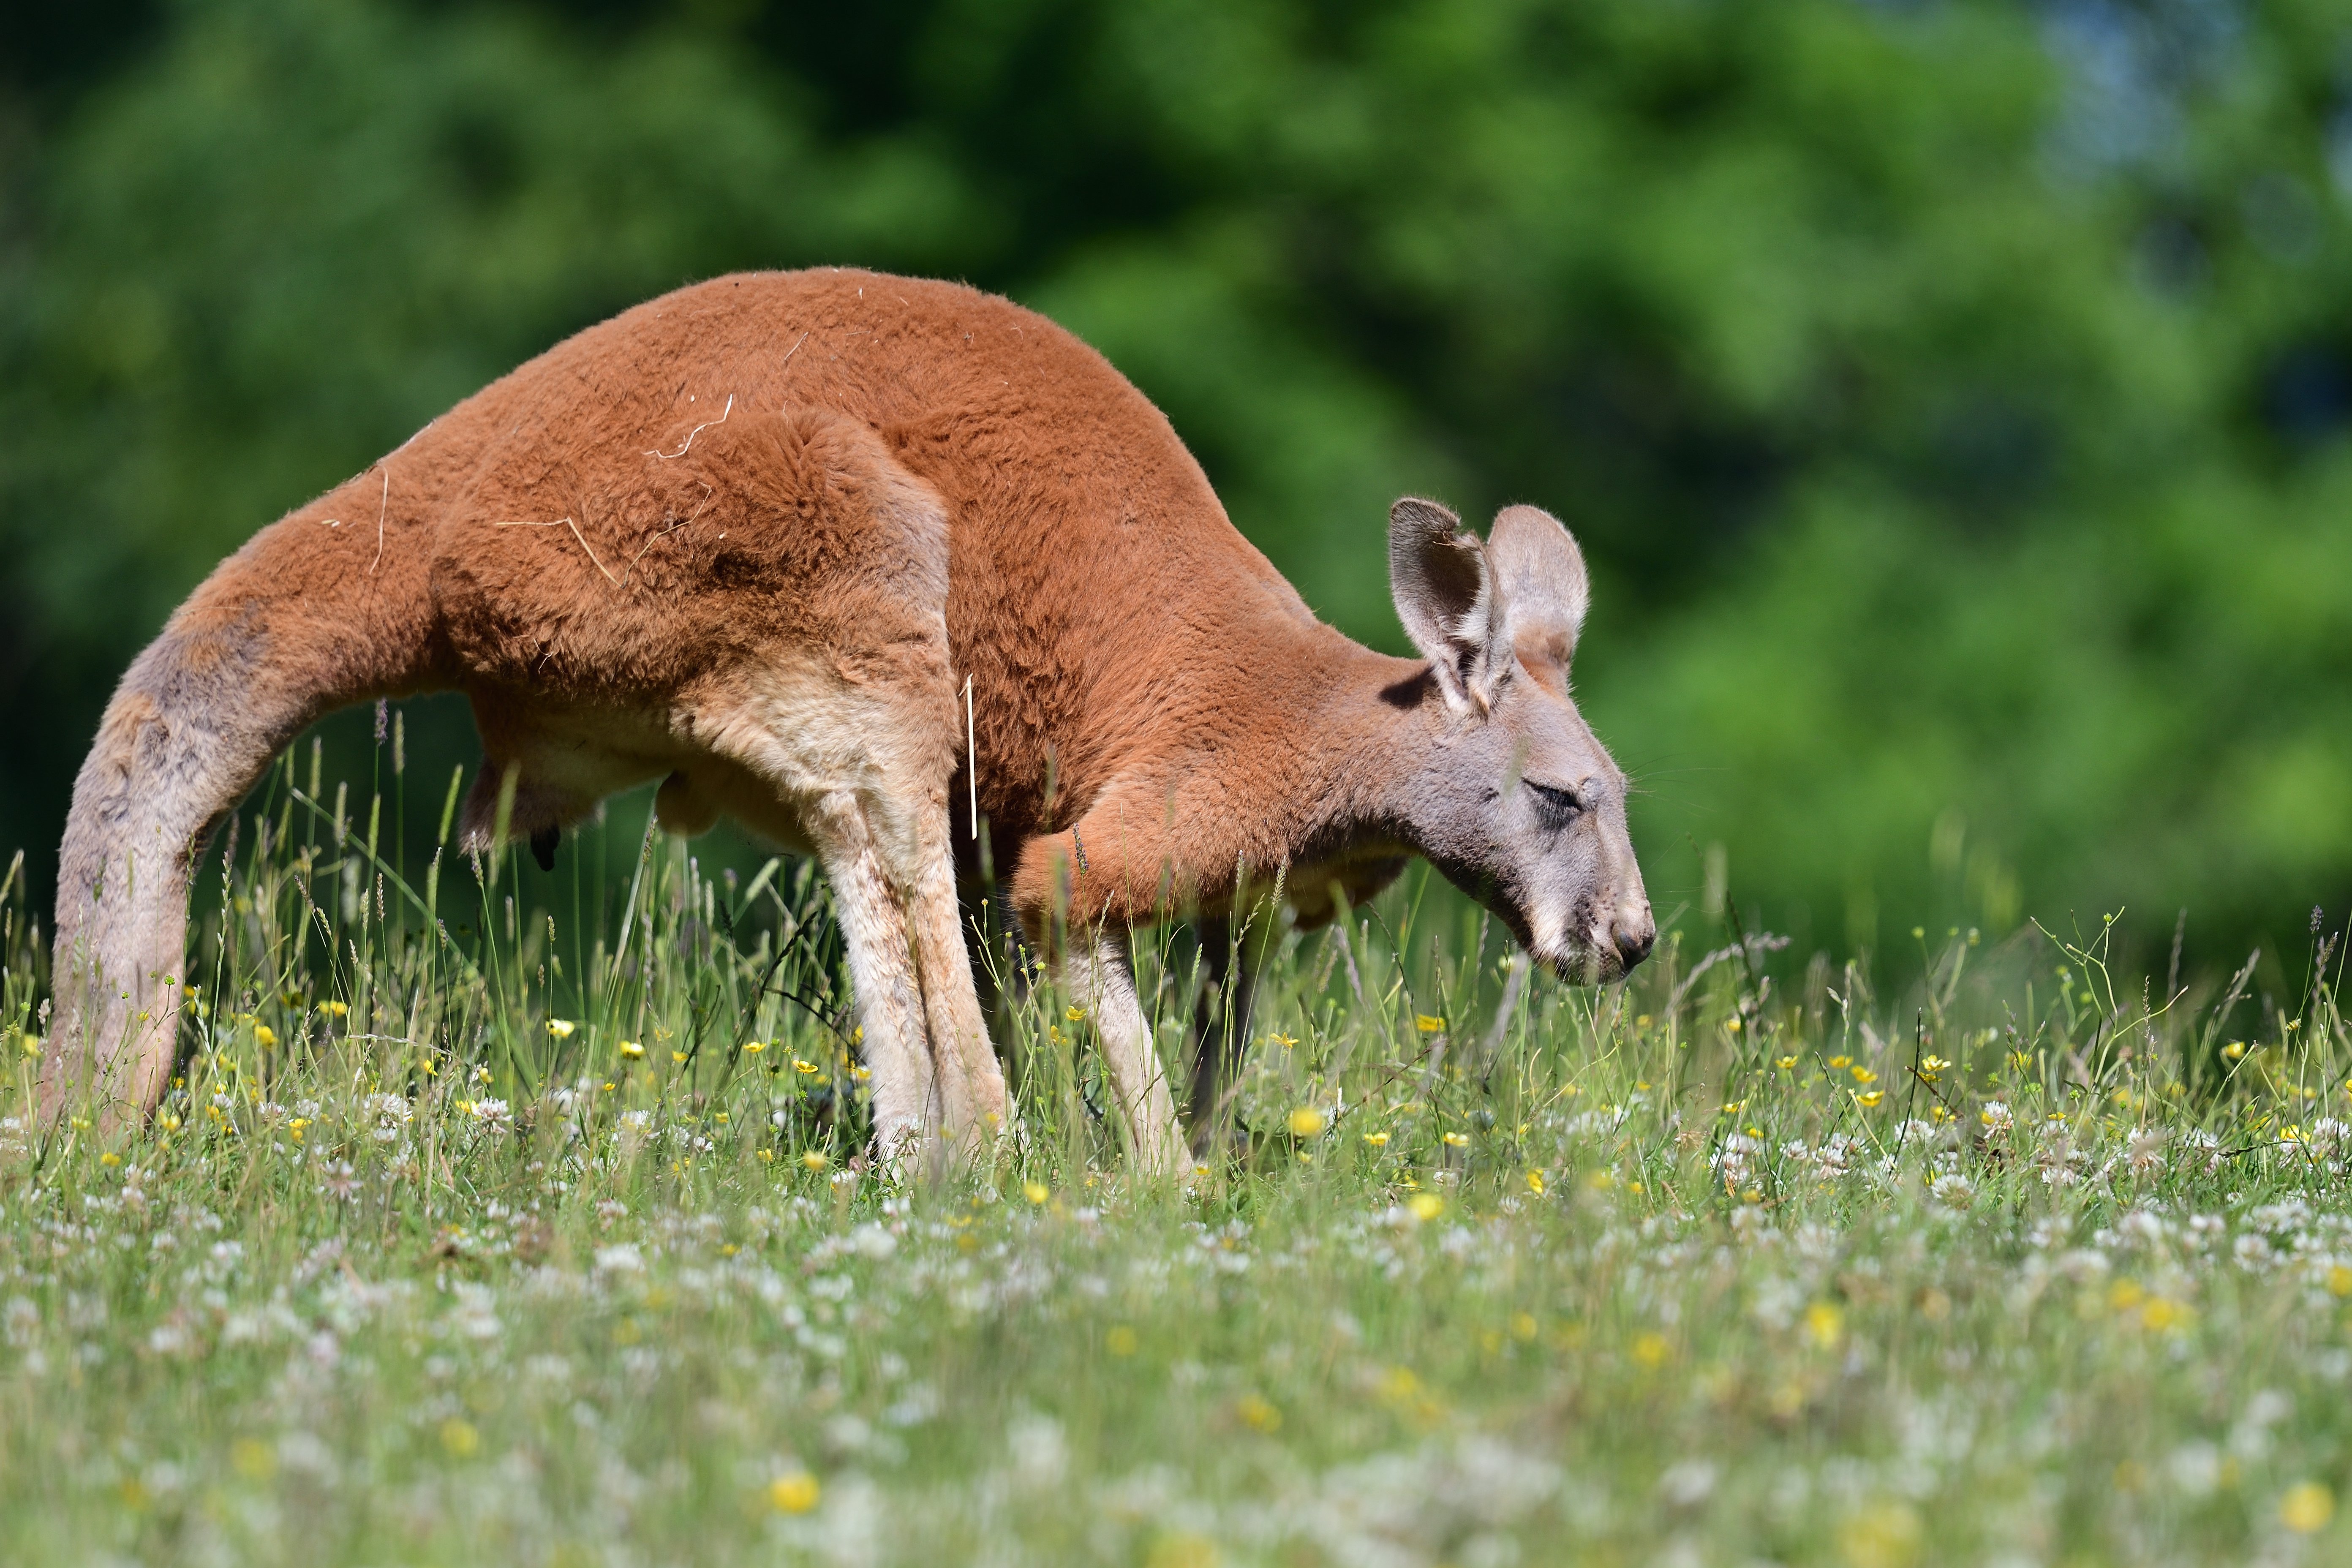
pixel 1445 595
pixel 1540 580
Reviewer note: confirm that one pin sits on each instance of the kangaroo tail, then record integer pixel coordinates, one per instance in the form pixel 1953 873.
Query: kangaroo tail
pixel 310 616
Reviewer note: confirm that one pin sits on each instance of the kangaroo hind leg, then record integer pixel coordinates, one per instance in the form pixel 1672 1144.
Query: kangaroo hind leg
pixel 907 1114
pixel 843 716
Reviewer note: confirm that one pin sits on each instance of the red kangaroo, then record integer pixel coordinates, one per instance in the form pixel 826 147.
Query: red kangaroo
pixel 749 539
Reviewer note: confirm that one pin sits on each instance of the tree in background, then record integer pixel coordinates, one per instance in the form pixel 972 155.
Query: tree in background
pixel 1951 397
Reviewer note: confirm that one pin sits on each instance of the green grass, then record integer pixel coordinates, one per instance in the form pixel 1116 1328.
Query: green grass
pixel 2021 1266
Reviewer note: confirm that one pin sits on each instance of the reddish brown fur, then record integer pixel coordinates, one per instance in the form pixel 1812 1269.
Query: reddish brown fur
pixel 605 548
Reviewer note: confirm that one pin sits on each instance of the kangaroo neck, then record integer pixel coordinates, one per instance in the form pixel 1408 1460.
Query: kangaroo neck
pixel 1354 727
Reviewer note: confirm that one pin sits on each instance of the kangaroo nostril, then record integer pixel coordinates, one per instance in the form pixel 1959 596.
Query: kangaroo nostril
pixel 1634 941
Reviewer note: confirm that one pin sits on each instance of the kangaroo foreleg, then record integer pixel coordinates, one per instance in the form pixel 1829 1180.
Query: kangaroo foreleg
pixel 1221 1021
pixel 1100 977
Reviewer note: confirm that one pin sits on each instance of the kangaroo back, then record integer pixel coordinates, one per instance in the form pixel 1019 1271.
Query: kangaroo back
pixel 312 614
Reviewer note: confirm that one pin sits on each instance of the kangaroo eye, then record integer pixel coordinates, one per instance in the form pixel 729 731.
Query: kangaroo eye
pixel 1554 807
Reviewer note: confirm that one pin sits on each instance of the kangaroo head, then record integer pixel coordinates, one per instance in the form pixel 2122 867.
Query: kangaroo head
pixel 1514 800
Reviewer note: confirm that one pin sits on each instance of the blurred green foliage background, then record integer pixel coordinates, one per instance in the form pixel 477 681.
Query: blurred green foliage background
pixel 1952 398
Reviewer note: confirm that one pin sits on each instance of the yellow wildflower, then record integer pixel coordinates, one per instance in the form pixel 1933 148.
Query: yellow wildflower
pixel 2306 1506
pixel 1425 1205
pixel 1428 1025
pixel 633 1050
pixel 1037 1193
pixel 1305 1121
pixel 1259 1413
pixel 1882 1535
pixel 1824 1324
pixel 796 1492
pixel 253 1459
pixel 1376 1140
pixel 816 1160
pixel 1182 1550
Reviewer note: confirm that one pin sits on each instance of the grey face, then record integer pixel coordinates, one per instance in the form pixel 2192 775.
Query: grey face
pixel 1518 802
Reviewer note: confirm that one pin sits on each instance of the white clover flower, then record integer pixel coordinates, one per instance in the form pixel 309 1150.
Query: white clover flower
pixel 2289 1216
pixel 620 1258
pixel 1841 1153
pixel 306 1455
pixel 2196 1468
pixel 18 1320
pixel 1996 1117
pixel 1686 1484
pixel 2085 1265
pixel 1041 1455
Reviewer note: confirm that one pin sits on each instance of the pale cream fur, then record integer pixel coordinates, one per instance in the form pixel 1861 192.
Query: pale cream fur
pixel 1100 976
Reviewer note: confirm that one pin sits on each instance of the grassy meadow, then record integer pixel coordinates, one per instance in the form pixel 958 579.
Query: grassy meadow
pixel 513 1221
